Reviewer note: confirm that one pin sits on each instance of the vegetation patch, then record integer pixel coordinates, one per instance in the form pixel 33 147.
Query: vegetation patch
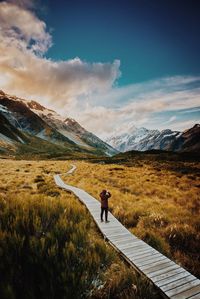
pixel 49 245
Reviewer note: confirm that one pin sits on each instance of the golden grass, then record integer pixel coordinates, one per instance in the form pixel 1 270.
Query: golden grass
pixel 64 249
pixel 156 202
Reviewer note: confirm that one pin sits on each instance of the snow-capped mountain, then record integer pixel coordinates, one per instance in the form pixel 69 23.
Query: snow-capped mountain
pixel 142 139
pixel 32 118
pixel 129 140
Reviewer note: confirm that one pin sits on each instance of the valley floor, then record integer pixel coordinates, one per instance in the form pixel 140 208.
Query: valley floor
pixel 50 246
pixel 158 202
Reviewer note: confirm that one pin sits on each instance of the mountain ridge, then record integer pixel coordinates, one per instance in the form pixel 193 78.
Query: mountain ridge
pixel 142 139
pixel 30 117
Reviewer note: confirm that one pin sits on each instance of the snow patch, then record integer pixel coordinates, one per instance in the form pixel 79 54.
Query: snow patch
pixel 4 109
pixel 21 140
pixel 42 135
pixel 73 138
pixel 6 139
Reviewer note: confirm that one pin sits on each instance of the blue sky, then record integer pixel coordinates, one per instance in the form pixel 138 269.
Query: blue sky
pixel 151 38
pixel 131 62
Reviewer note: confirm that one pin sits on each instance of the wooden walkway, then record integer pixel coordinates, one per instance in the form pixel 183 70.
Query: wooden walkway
pixel 172 280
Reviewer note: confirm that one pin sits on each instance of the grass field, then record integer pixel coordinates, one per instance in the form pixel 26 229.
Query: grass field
pixel 159 201
pixel 49 245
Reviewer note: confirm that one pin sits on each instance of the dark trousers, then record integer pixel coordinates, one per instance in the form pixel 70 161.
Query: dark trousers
pixel 106 213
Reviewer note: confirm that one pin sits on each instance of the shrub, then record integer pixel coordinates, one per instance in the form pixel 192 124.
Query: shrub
pixel 154 220
pixel 46 250
pixel 123 282
pixel 153 239
pixel 183 237
pixel 38 179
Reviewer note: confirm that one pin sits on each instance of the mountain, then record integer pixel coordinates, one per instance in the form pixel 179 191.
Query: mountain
pixel 142 139
pixel 71 129
pixel 188 141
pixel 40 125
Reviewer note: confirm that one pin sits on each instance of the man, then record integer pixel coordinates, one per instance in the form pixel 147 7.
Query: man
pixel 104 195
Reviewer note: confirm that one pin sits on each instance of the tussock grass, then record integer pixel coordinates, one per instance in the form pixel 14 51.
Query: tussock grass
pixel 157 201
pixel 49 245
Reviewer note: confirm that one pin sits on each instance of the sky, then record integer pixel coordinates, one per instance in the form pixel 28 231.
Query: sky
pixel 110 65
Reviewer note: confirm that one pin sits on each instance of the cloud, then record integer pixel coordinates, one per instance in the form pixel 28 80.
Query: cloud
pixel 26 72
pixel 86 91
pixel 185 124
pixel 23 3
pixel 157 104
pixel 22 29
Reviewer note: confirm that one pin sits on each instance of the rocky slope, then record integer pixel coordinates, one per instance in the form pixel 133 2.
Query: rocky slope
pixel 71 129
pixel 29 117
pixel 188 141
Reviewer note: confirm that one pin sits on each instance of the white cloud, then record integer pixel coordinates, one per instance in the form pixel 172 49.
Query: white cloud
pixel 23 29
pixel 184 125
pixel 173 118
pixel 146 104
pixel 23 42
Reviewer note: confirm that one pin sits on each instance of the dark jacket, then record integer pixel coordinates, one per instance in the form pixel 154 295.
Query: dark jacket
pixel 104 198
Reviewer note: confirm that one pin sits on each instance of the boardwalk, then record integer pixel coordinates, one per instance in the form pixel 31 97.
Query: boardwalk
pixel 172 280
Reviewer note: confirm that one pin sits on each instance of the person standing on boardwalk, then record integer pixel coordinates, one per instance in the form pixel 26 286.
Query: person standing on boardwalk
pixel 104 195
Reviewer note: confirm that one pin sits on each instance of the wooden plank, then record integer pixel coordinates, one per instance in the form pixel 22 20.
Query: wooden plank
pixel 95 211
pixel 135 246
pixel 157 266
pixel 148 258
pixel 127 241
pixel 95 215
pixel 144 256
pixel 173 278
pixel 120 237
pixel 111 227
pixel 113 237
pixel 113 231
pixel 129 251
pixel 132 253
pixel 133 243
pixel 127 236
pixel 166 275
pixel 94 202
pixel 196 296
pixel 152 261
pixel 178 283
pixel 162 271
pixel 183 288
pixel 136 254
pixel 91 205
pixel 94 208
